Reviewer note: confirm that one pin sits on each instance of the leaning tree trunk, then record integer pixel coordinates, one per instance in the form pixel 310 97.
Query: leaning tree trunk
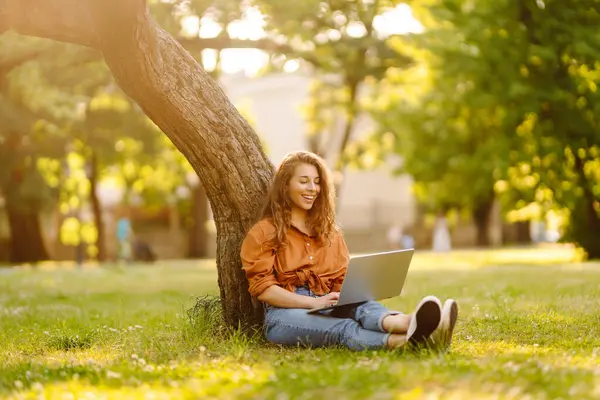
pixel 26 243
pixel 180 97
pixel 97 208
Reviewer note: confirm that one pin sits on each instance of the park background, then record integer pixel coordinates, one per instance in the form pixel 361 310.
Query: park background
pixel 480 114
pixel 419 111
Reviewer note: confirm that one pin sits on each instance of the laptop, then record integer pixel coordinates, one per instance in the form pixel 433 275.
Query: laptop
pixel 373 277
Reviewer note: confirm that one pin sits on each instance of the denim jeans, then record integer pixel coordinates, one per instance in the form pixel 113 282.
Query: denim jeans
pixel 357 327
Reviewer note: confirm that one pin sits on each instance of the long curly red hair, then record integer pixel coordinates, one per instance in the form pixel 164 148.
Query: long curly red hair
pixel 321 217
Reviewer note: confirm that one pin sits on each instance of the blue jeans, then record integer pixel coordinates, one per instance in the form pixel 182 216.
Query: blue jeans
pixel 357 327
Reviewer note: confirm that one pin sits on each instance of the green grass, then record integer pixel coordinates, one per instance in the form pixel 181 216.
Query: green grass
pixel 529 328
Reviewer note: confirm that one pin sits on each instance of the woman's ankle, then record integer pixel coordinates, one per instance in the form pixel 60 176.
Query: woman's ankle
pixel 397 323
pixel 396 340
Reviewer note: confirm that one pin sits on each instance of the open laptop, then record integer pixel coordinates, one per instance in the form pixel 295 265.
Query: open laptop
pixel 373 277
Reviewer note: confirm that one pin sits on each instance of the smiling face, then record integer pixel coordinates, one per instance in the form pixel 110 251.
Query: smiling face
pixel 304 187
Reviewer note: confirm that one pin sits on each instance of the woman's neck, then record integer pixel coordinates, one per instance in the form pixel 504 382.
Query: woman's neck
pixel 299 217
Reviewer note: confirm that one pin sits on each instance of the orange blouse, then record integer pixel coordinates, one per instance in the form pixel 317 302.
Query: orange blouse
pixel 303 261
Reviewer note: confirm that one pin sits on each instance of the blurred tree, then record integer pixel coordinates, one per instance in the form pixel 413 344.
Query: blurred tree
pixel 445 141
pixel 348 52
pixel 28 136
pixel 114 135
pixel 182 99
pixel 522 77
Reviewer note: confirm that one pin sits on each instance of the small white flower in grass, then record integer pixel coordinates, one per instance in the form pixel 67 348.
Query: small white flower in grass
pixel 148 368
pixel 134 356
pixel 202 349
pixel 139 327
pixel 113 375
pixel 113 330
pixel 19 384
pixel 68 396
pixel 46 333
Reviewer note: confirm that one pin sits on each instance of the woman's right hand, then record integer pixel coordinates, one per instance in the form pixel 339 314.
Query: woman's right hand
pixel 329 299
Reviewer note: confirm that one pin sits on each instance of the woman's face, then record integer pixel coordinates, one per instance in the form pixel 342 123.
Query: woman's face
pixel 304 187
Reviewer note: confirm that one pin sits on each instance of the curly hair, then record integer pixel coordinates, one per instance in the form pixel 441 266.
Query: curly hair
pixel 321 217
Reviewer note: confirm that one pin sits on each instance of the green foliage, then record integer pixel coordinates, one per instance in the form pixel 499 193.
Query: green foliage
pixel 340 41
pixel 30 109
pixel 335 36
pixel 512 102
pixel 64 113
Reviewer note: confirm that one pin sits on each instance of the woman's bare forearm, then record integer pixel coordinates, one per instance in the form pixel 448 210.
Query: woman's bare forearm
pixel 277 296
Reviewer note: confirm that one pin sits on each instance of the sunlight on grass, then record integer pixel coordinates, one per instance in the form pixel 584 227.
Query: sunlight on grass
pixel 527 329
pixel 472 259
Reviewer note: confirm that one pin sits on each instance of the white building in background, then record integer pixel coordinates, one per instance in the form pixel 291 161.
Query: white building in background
pixel 371 201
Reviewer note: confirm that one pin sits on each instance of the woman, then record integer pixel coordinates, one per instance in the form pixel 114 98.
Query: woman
pixel 295 259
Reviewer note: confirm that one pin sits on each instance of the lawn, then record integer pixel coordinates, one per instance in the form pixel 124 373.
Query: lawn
pixel 529 328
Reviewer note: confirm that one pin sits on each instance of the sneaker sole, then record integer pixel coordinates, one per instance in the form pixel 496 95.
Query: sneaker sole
pixel 453 318
pixel 428 317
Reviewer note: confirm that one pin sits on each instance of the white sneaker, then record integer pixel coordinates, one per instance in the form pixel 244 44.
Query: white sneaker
pixel 442 337
pixel 424 321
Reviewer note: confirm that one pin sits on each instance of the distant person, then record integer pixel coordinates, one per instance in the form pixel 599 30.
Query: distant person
pixel 295 258
pixel 407 241
pixel 441 235
pixel 394 237
pixel 124 239
pixel 142 251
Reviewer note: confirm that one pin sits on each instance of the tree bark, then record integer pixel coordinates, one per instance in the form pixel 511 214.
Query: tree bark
pixel 584 224
pixel 97 208
pixel 482 215
pixel 197 233
pixel 180 97
pixel 351 111
pixel 26 241
pixel 523 232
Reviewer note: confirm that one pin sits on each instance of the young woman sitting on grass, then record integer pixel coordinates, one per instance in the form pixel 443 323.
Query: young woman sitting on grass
pixel 295 259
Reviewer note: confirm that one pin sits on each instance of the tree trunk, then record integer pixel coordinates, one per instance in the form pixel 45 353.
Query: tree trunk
pixel 340 163
pixel 523 232
pixel 584 224
pixel 97 209
pixel 482 216
pixel 26 241
pixel 180 97
pixel 197 233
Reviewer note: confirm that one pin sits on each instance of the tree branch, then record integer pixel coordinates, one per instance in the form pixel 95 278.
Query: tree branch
pixel 197 44
pixel 69 21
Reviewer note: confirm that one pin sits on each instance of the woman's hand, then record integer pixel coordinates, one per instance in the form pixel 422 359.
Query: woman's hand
pixel 329 299
pixel 277 296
